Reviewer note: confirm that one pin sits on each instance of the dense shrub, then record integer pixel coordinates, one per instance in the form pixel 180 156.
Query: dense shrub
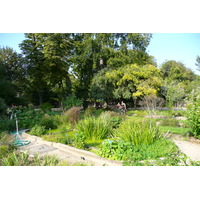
pixel 132 155
pixel 5 144
pixel 28 117
pixel 138 132
pixel 72 115
pixel 115 149
pixel 65 127
pixel 7 125
pixel 71 101
pixel 49 122
pixel 46 106
pixel 113 117
pixel 194 114
pixel 37 130
pixel 79 140
pixel 89 111
pixel 169 122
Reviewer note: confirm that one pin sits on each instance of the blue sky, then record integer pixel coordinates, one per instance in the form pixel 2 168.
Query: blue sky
pixel 183 47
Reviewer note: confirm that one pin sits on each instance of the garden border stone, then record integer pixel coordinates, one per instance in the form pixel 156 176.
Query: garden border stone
pixel 66 152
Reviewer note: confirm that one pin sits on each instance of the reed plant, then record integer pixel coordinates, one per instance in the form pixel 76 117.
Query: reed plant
pixel 138 131
pixel 95 128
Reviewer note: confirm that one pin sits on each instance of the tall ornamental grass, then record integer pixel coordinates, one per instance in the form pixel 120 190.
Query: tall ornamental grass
pixel 138 131
pixel 95 128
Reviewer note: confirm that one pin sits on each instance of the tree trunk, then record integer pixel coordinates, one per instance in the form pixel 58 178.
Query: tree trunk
pixel 40 98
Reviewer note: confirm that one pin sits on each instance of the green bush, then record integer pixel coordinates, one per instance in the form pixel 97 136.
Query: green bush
pixel 65 127
pixel 193 115
pixel 48 122
pixel 46 106
pixel 28 117
pixel 138 132
pixel 115 149
pixel 133 155
pixel 7 125
pixel 4 150
pixel 72 115
pixel 71 101
pixel 79 140
pixel 89 111
pixel 169 122
pixel 37 130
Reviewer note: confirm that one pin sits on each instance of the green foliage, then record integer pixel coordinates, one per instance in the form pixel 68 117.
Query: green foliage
pixel 79 140
pixel 194 114
pixel 115 149
pixel 176 130
pixel 49 122
pixel 64 127
pixel 89 111
pixel 47 65
pixel 37 130
pixel 7 125
pixel 138 132
pixel 176 71
pixel 137 113
pixel 113 118
pixel 28 117
pixel 94 128
pixel 161 152
pixel 58 138
pixel 71 101
pixel 169 122
pixel 5 144
pixel 72 115
pixel 3 106
pixel 17 158
pixel 46 106
pixel 4 150
pixel 130 81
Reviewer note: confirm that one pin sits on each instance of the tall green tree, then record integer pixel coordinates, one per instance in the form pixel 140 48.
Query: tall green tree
pixel 11 75
pixel 128 82
pixel 97 51
pixel 47 56
pixel 174 70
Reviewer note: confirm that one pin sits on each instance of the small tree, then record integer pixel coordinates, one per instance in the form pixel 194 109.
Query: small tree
pixel 173 91
pixel 151 103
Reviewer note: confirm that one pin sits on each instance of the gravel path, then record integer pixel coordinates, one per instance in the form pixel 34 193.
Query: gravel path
pixel 192 150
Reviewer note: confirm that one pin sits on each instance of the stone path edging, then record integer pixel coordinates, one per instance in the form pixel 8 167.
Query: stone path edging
pixel 65 152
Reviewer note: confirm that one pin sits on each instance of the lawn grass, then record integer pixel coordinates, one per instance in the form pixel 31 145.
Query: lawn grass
pixel 93 143
pixel 176 130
